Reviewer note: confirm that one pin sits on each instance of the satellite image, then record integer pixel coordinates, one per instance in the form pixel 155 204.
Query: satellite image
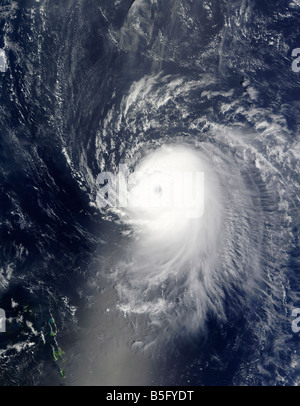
pixel 149 193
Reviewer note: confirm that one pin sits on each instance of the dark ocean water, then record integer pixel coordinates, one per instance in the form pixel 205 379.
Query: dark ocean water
pixel 90 84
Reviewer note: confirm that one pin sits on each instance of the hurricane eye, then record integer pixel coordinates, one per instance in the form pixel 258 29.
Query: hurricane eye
pixel 158 190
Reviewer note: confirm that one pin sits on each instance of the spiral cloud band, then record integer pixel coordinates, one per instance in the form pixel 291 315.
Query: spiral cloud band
pixel 179 268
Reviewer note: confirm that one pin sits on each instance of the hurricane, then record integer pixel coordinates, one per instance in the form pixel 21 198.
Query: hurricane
pixel 179 268
pixel 149 180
